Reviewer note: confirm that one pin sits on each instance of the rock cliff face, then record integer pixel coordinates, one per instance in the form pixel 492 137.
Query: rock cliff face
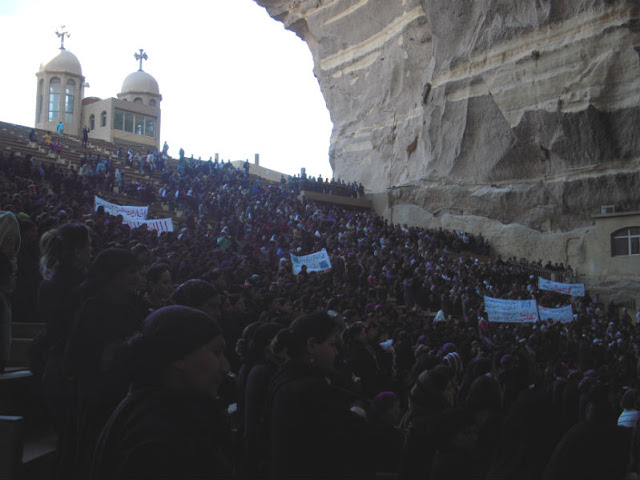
pixel 503 111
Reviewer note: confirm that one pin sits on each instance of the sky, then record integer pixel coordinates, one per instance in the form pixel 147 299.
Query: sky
pixel 233 80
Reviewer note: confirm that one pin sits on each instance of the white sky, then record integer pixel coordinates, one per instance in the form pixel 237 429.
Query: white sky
pixel 232 79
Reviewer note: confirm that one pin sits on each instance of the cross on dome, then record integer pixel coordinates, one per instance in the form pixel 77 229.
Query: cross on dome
pixel 62 34
pixel 140 57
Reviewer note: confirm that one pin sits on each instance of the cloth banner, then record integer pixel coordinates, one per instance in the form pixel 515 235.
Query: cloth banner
pixel 315 262
pixel 516 311
pixel 137 213
pixel 562 314
pixel 574 289
pixel 160 224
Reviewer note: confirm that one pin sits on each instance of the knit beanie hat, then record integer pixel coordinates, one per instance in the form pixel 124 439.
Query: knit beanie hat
pixel 448 348
pixel 454 362
pixel 167 335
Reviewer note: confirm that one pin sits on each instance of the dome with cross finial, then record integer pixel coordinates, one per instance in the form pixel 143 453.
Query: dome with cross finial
pixel 64 62
pixel 140 82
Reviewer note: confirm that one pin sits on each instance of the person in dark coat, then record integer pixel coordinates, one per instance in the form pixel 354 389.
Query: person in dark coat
pixel 429 398
pixel 591 450
pixel 65 255
pixel 361 359
pixel 313 430
pixel 171 424
pixel 387 438
pixel 110 313
pixel 456 440
pixel 261 364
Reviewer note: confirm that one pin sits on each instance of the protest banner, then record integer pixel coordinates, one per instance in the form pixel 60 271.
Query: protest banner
pixel 315 262
pixel 562 314
pixel 138 213
pixel 574 289
pixel 513 311
pixel 160 224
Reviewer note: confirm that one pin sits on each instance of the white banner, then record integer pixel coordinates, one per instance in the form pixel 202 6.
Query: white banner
pixel 160 224
pixel 516 311
pixel 574 289
pixel 136 213
pixel 315 262
pixel 562 314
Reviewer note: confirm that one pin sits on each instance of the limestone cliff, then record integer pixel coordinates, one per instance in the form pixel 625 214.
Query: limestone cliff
pixel 509 111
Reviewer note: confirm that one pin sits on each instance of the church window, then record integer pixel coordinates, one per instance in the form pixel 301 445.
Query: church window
pixel 103 119
pixel 128 122
pixel 134 123
pixel 137 100
pixel 625 241
pixel 68 101
pixel 40 100
pixel 118 120
pixel 92 122
pixel 139 124
pixel 152 103
pixel 150 127
pixel 54 99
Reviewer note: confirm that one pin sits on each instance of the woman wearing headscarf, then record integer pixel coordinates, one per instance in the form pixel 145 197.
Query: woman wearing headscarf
pixel 109 314
pixel 313 429
pixel 170 424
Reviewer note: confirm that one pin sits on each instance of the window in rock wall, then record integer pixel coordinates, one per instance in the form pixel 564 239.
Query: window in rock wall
pixel 625 241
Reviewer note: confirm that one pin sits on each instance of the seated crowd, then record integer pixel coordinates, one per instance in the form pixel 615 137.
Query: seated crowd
pixel 200 353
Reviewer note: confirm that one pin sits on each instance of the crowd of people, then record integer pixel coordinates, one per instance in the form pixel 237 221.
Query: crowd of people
pixel 200 352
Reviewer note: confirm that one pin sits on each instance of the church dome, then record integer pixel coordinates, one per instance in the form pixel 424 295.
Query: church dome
pixel 140 82
pixel 65 61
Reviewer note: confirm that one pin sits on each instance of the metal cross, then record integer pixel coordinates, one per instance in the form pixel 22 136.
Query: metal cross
pixel 140 57
pixel 61 36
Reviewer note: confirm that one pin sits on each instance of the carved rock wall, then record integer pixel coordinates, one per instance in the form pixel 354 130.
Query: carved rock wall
pixel 515 111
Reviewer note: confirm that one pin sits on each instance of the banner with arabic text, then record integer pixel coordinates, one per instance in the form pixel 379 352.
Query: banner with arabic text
pixel 315 262
pixel 159 224
pixel 513 311
pixel 562 314
pixel 138 213
pixel 574 289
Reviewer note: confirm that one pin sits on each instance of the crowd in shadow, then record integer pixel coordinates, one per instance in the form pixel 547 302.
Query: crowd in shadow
pixel 199 352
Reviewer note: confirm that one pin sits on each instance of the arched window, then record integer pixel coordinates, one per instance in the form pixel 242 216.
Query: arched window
pixel 40 100
pixel 68 101
pixel 152 103
pixel 625 241
pixel 54 99
pixel 137 100
pixel 92 122
pixel 103 119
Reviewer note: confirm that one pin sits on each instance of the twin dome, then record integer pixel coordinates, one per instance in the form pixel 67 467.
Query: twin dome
pixel 64 62
pixel 140 82
pixel 136 82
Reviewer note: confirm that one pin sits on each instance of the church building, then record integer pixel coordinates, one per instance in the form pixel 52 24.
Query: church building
pixel 131 119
